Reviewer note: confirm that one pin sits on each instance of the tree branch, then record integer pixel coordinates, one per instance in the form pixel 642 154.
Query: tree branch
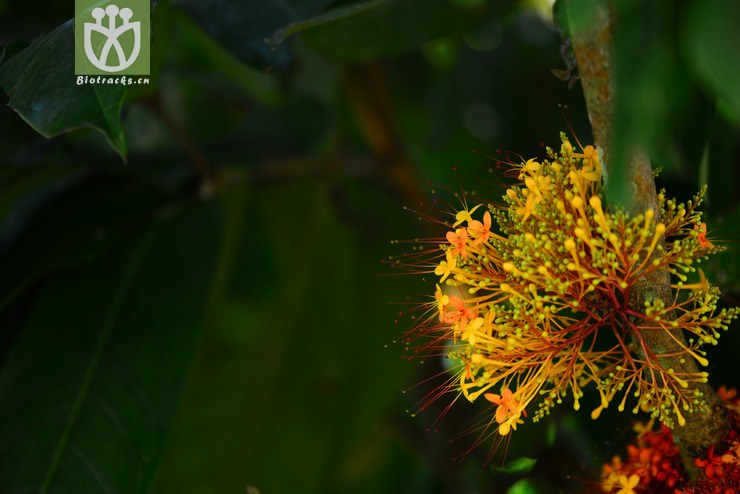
pixel 592 45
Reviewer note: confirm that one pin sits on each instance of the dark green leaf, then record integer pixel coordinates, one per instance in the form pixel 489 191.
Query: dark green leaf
pixel 723 172
pixel 245 26
pixel 649 84
pixel 11 48
pixel 724 267
pixel 396 26
pixel 522 464
pixel 312 283
pixel 524 486
pixel 711 28
pixel 331 16
pixel 67 223
pixel 19 181
pixel 42 88
pixel 92 384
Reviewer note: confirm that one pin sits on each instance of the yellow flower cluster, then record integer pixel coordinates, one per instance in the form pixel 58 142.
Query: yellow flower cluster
pixel 541 309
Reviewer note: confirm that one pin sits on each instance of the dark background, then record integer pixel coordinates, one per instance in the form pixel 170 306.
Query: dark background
pixel 193 296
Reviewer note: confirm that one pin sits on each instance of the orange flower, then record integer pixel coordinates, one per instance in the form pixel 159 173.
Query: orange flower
pixel 481 231
pixel 713 466
pixel 702 236
pixel 506 403
pixel 725 394
pixel 628 484
pixel 458 239
pixel 459 313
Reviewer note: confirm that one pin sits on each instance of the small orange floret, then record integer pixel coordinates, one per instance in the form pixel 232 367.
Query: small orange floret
pixel 459 313
pixel 481 231
pixel 459 240
pixel 725 394
pixel 506 403
pixel 702 236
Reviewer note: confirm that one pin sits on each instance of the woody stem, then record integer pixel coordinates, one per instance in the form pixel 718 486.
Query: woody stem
pixel 592 45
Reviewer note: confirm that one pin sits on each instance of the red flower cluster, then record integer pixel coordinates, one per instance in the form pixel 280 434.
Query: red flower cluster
pixel 654 460
pixel 653 464
pixel 721 470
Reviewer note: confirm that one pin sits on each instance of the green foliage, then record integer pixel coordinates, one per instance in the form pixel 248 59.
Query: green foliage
pixel 674 79
pixel 85 220
pixel 243 26
pixel 519 465
pixel 708 27
pixel 40 83
pixel 92 382
pixel 266 165
pixel 524 486
pixel 392 27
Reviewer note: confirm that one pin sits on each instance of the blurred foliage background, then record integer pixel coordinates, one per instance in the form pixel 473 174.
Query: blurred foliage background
pixel 192 296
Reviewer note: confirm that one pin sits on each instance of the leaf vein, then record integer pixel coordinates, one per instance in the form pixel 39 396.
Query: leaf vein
pixel 115 307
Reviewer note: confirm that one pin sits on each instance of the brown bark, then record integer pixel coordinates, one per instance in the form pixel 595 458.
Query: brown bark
pixel 592 45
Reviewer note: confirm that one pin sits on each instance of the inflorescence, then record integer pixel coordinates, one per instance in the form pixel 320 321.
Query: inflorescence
pixel 653 463
pixel 536 310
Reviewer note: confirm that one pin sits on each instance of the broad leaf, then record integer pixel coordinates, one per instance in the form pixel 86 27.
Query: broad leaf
pixel 520 465
pixel 42 88
pixel 66 223
pixel 395 27
pixel 91 386
pixel 18 182
pixel 710 28
pixel 244 27
pixel 310 280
